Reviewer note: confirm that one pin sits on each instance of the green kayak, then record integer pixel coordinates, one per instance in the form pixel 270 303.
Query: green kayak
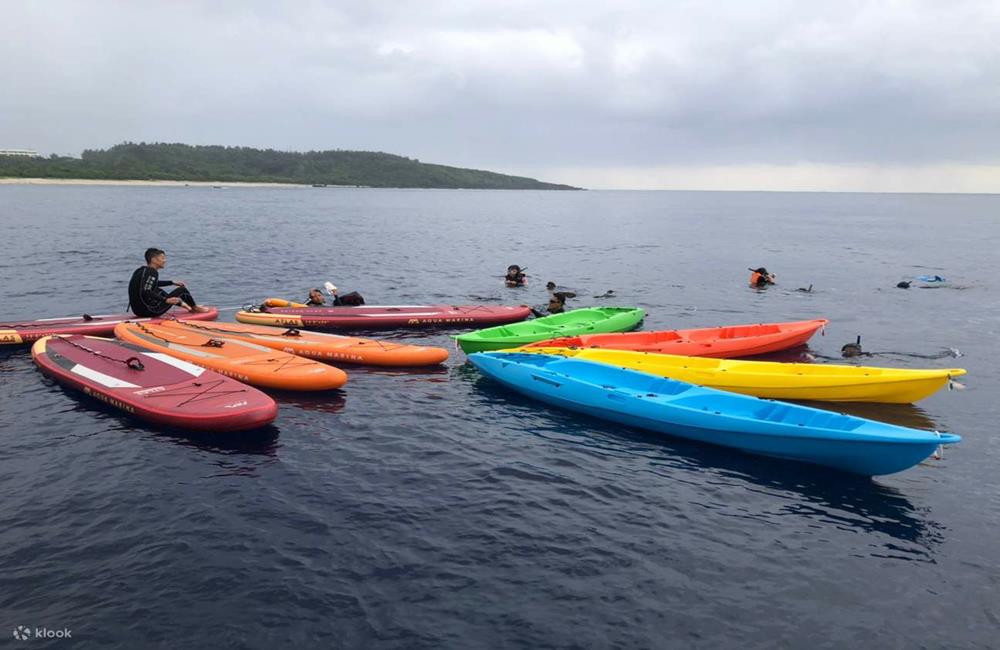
pixel 597 320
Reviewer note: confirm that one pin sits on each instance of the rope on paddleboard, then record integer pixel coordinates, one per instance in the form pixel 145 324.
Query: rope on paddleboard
pixel 206 393
pixel 132 362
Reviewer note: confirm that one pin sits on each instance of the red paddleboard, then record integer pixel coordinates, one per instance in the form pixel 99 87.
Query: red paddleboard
pixel 153 386
pixel 16 333
pixel 373 317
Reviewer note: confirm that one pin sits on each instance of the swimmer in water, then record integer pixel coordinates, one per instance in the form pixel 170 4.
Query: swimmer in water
pixel 851 350
pixel 760 278
pixel 553 289
pixel 515 276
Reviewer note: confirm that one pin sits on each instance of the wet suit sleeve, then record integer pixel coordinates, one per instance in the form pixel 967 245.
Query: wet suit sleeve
pixel 164 283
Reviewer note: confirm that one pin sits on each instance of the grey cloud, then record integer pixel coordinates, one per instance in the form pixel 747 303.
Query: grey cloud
pixel 513 83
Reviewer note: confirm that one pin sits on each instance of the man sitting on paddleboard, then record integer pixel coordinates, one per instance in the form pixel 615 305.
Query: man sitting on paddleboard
pixel 145 296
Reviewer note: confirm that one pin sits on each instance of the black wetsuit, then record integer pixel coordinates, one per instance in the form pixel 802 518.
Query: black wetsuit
pixel 146 298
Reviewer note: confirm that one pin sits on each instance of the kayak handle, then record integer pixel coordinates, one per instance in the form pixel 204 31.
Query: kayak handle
pixel 545 380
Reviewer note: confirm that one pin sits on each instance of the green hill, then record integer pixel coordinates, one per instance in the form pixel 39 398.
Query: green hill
pixel 182 162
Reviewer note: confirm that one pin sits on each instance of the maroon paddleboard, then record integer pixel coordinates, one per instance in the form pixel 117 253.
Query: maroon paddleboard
pixel 372 317
pixel 153 386
pixel 16 333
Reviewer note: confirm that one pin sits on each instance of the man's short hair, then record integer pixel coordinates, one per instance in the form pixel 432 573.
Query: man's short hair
pixel 151 253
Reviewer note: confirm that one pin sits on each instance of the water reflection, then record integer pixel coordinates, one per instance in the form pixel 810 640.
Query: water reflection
pixel 258 442
pixel 325 402
pixel 904 415
pixel 399 371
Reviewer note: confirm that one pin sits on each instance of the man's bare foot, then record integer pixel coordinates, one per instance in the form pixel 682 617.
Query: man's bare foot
pixel 201 309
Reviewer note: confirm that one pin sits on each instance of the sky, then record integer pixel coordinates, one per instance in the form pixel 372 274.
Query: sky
pixel 847 95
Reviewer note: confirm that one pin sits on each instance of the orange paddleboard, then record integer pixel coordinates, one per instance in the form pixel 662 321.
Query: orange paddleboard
pixel 327 347
pixel 248 362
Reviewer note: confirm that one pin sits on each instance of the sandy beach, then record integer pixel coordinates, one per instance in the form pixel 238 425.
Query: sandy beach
pixel 91 181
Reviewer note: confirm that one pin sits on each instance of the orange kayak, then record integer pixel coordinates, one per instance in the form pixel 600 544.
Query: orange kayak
pixel 326 347
pixel 248 362
pixel 715 342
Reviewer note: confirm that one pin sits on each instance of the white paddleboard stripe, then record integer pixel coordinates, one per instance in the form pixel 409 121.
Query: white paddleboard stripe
pixel 189 368
pixel 102 379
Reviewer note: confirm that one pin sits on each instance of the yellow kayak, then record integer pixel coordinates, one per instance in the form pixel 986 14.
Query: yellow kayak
pixel 802 381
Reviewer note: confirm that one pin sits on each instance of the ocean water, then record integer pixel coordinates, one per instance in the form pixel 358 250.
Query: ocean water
pixel 432 508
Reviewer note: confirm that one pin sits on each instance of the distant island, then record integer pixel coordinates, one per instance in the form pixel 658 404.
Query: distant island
pixel 183 162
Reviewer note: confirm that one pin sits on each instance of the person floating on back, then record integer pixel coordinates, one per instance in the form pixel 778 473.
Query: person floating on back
pixel 760 278
pixel 515 276
pixel 145 296
pixel 316 298
pixel 352 299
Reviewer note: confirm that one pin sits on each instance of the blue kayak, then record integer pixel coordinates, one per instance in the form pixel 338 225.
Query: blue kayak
pixel 757 426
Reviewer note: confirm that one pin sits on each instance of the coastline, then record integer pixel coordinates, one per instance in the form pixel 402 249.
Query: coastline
pixel 111 181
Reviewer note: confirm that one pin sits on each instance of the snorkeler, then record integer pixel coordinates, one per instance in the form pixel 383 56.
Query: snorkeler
pixel 760 278
pixel 515 276
pixel 850 350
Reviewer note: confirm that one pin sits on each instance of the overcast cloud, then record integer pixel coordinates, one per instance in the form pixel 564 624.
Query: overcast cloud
pixel 604 94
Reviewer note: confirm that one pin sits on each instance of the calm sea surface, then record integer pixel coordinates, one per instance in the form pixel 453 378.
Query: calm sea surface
pixel 431 509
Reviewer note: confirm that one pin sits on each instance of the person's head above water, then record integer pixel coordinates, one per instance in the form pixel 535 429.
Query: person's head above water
pixel 550 285
pixel 156 258
pixel 315 295
pixel 760 277
pixel 849 350
pixel 515 275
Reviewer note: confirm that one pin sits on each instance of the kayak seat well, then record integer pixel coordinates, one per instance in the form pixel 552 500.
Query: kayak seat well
pixel 539 360
pixel 784 413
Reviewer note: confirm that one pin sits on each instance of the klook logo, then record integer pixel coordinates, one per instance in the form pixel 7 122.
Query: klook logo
pixel 23 633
